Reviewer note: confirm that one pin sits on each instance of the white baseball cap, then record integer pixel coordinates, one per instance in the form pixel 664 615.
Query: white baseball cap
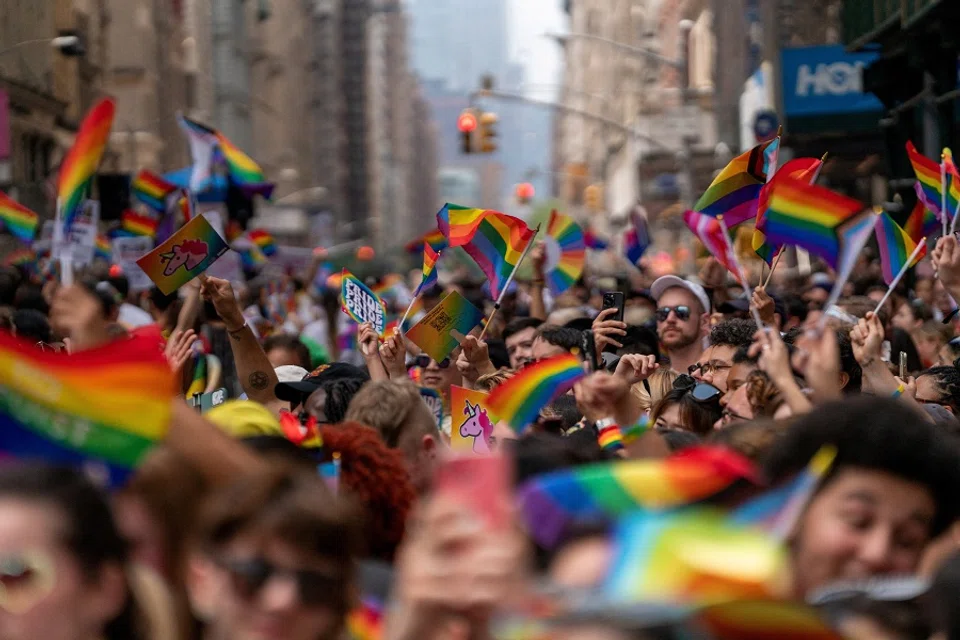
pixel 663 283
pixel 290 373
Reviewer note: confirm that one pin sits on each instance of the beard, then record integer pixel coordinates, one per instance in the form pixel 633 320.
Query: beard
pixel 679 339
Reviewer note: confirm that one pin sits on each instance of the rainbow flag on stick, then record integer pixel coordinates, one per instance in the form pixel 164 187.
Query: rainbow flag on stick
pixel 110 405
pixel 898 251
pixel 264 241
pixel 102 249
pixel 735 191
pixel 931 182
pixel 434 238
pixel 152 190
pixel 139 224
pixel 922 222
pixel 710 232
pixel 494 240
pixel 18 220
pixel 804 169
pixel 520 399
pixel 430 258
pixel 82 160
pixel 246 173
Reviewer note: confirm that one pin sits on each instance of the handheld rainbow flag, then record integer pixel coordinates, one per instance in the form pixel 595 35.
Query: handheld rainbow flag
pixel 139 224
pixel 929 184
pixel 898 251
pixel 434 238
pixel 922 222
pixel 264 241
pixel 735 191
pixel 246 173
pixel 186 205
pixel 808 216
pixel 152 190
pixel 198 381
pixel 22 257
pixel 430 258
pixel 82 160
pixel 102 248
pixel 184 255
pixel 17 219
pixel 110 404
pixel 551 503
pixel 710 232
pixel 694 556
pixel 520 399
pixel 804 169
pixel 494 240
pixel 592 241
pixel 565 253
pixel 251 257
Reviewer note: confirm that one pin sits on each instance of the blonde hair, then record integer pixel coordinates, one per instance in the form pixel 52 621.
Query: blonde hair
pixel 661 382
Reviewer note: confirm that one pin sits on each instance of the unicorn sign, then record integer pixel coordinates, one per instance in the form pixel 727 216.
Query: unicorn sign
pixel 184 255
pixel 472 422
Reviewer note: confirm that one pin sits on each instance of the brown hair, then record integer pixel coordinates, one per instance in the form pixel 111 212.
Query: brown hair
pixel 490 381
pixel 393 409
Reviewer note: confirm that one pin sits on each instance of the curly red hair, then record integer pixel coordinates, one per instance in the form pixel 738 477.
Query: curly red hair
pixel 377 477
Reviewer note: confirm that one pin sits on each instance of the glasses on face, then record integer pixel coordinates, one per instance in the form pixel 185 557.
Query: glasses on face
pixel 25 579
pixel 701 391
pixel 424 361
pixel 682 312
pixel 706 368
pixel 249 576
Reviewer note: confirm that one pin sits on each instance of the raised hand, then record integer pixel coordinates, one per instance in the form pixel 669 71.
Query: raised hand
pixel 606 331
pixel 635 368
pixel 220 292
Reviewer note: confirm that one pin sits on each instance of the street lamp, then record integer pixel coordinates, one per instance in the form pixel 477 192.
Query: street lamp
pixel 562 39
pixel 61 43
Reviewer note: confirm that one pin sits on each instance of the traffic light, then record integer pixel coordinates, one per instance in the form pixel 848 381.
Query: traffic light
pixel 488 132
pixel 524 192
pixel 467 124
pixel 593 197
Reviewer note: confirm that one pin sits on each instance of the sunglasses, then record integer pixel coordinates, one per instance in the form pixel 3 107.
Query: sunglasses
pixel 424 361
pixel 25 579
pixel 313 587
pixel 701 391
pixel 681 310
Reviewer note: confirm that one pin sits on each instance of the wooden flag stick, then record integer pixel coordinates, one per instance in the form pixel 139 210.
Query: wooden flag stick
pixel 773 268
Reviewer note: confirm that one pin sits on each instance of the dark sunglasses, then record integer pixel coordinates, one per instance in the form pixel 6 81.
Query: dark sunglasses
pixel 314 587
pixel 424 361
pixel 701 391
pixel 682 311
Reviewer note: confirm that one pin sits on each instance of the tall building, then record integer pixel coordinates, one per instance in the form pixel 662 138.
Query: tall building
pixel 231 25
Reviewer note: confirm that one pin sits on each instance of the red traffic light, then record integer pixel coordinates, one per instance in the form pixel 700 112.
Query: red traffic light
pixel 467 122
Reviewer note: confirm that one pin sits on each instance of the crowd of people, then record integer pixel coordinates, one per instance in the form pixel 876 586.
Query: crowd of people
pixel 228 530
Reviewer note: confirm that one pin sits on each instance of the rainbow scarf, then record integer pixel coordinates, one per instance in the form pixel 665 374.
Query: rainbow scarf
pixel 735 192
pixel 110 404
pixel 82 160
pixel 18 220
pixel 494 240
pixel 519 400
pixel 151 190
pixel 896 247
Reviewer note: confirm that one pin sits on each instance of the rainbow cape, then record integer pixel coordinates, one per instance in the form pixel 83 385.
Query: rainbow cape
pixel 139 224
pixel 430 258
pixel 896 247
pixel 551 503
pixel 519 400
pixel 110 405
pixel 18 220
pixel 922 223
pixel 808 216
pixel 566 252
pixel 494 240
pixel 735 191
pixel 82 160
pixel 151 190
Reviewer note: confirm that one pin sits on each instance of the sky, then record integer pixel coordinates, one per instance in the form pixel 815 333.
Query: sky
pixel 528 20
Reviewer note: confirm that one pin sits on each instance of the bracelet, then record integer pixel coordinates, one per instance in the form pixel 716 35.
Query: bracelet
pixel 609 436
pixel 237 330
pixel 899 391
pixel 637 429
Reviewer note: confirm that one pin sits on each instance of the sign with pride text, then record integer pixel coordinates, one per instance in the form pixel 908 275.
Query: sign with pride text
pixel 361 304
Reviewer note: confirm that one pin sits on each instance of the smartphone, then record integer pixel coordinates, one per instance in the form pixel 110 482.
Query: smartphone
pixel 483 483
pixel 903 365
pixel 588 346
pixel 613 300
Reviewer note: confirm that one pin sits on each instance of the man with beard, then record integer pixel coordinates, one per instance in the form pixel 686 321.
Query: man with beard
pixel 683 314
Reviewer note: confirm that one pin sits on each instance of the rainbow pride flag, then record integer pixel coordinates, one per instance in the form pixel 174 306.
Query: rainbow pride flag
pixel 735 191
pixel 565 251
pixel 246 173
pixel 264 241
pixel 82 160
pixel 152 190
pixel 17 219
pixel 198 381
pixel 896 247
pixel 808 216
pixel 714 239
pixel 552 503
pixel 139 224
pixel 519 400
pixel 22 257
pixel 922 223
pixel 110 405
pixel 929 186
pixel 494 240
pixel 430 258
pixel 366 621
pixel 102 249
pixel 434 238
pixel 803 169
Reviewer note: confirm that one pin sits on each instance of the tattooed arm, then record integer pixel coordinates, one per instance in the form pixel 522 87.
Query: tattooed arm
pixel 254 370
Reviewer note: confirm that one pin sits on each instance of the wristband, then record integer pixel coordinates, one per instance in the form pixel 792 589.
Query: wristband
pixel 637 429
pixel 608 435
pixel 899 391
pixel 238 329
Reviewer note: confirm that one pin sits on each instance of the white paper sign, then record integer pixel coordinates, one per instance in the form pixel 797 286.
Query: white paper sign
pixel 78 246
pixel 126 252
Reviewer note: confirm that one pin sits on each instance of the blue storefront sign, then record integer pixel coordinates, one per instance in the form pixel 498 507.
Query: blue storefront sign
pixel 825 80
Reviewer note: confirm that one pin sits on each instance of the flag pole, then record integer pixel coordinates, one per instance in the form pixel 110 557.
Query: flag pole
pixel 407 312
pixel 842 278
pixel 943 194
pixel 66 257
pixel 773 267
pixel 906 266
pixel 496 305
pixel 743 278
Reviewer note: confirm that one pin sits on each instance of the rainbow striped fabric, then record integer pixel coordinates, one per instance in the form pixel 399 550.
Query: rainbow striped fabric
pixel 22 257
pixel 610 438
pixel 103 249
pixel 808 216
pixel 896 247
pixel 566 252
pixel 519 400
pixel 763 620
pixel 637 239
pixel 246 173
pixel 714 239
pixel 803 169
pixel 735 191
pixel 552 503
pixel 82 160
pixel 264 241
pixel 430 258
pixel 366 621
pixel 929 181
pixel 434 238
pixel 17 219
pixel 152 190
pixel 110 405
pixel 139 224
pixel 922 222
pixel 494 240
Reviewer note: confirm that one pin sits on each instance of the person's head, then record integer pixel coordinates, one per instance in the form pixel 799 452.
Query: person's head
pixel 923 288
pixel 439 376
pixel 296 393
pixel 274 556
pixel 851 374
pixel 911 315
pixel 816 296
pixel 329 403
pixel 949 353
pixel 717 360
pixel 750 438
pixel 377 478
pixel 395 410
pixel 735 403
pixel 940 385
pixel 657 386
pixel 31 326
pixel 929 338
pixel 690 406
pixel 121 284
pixel 284 349
pixel 62 559
pixel 682 312
pixel 160 302
pixel 554 341
pixel 519 336
pixel 891 489
pixel 794 310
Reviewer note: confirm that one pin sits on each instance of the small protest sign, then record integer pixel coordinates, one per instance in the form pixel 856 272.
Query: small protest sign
pixel 208 400
pixel 360 303
pixel 126 252
pixel 434 402
pixel 184 255
pixel 440 331
pixel 77 246
pixel 471 422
